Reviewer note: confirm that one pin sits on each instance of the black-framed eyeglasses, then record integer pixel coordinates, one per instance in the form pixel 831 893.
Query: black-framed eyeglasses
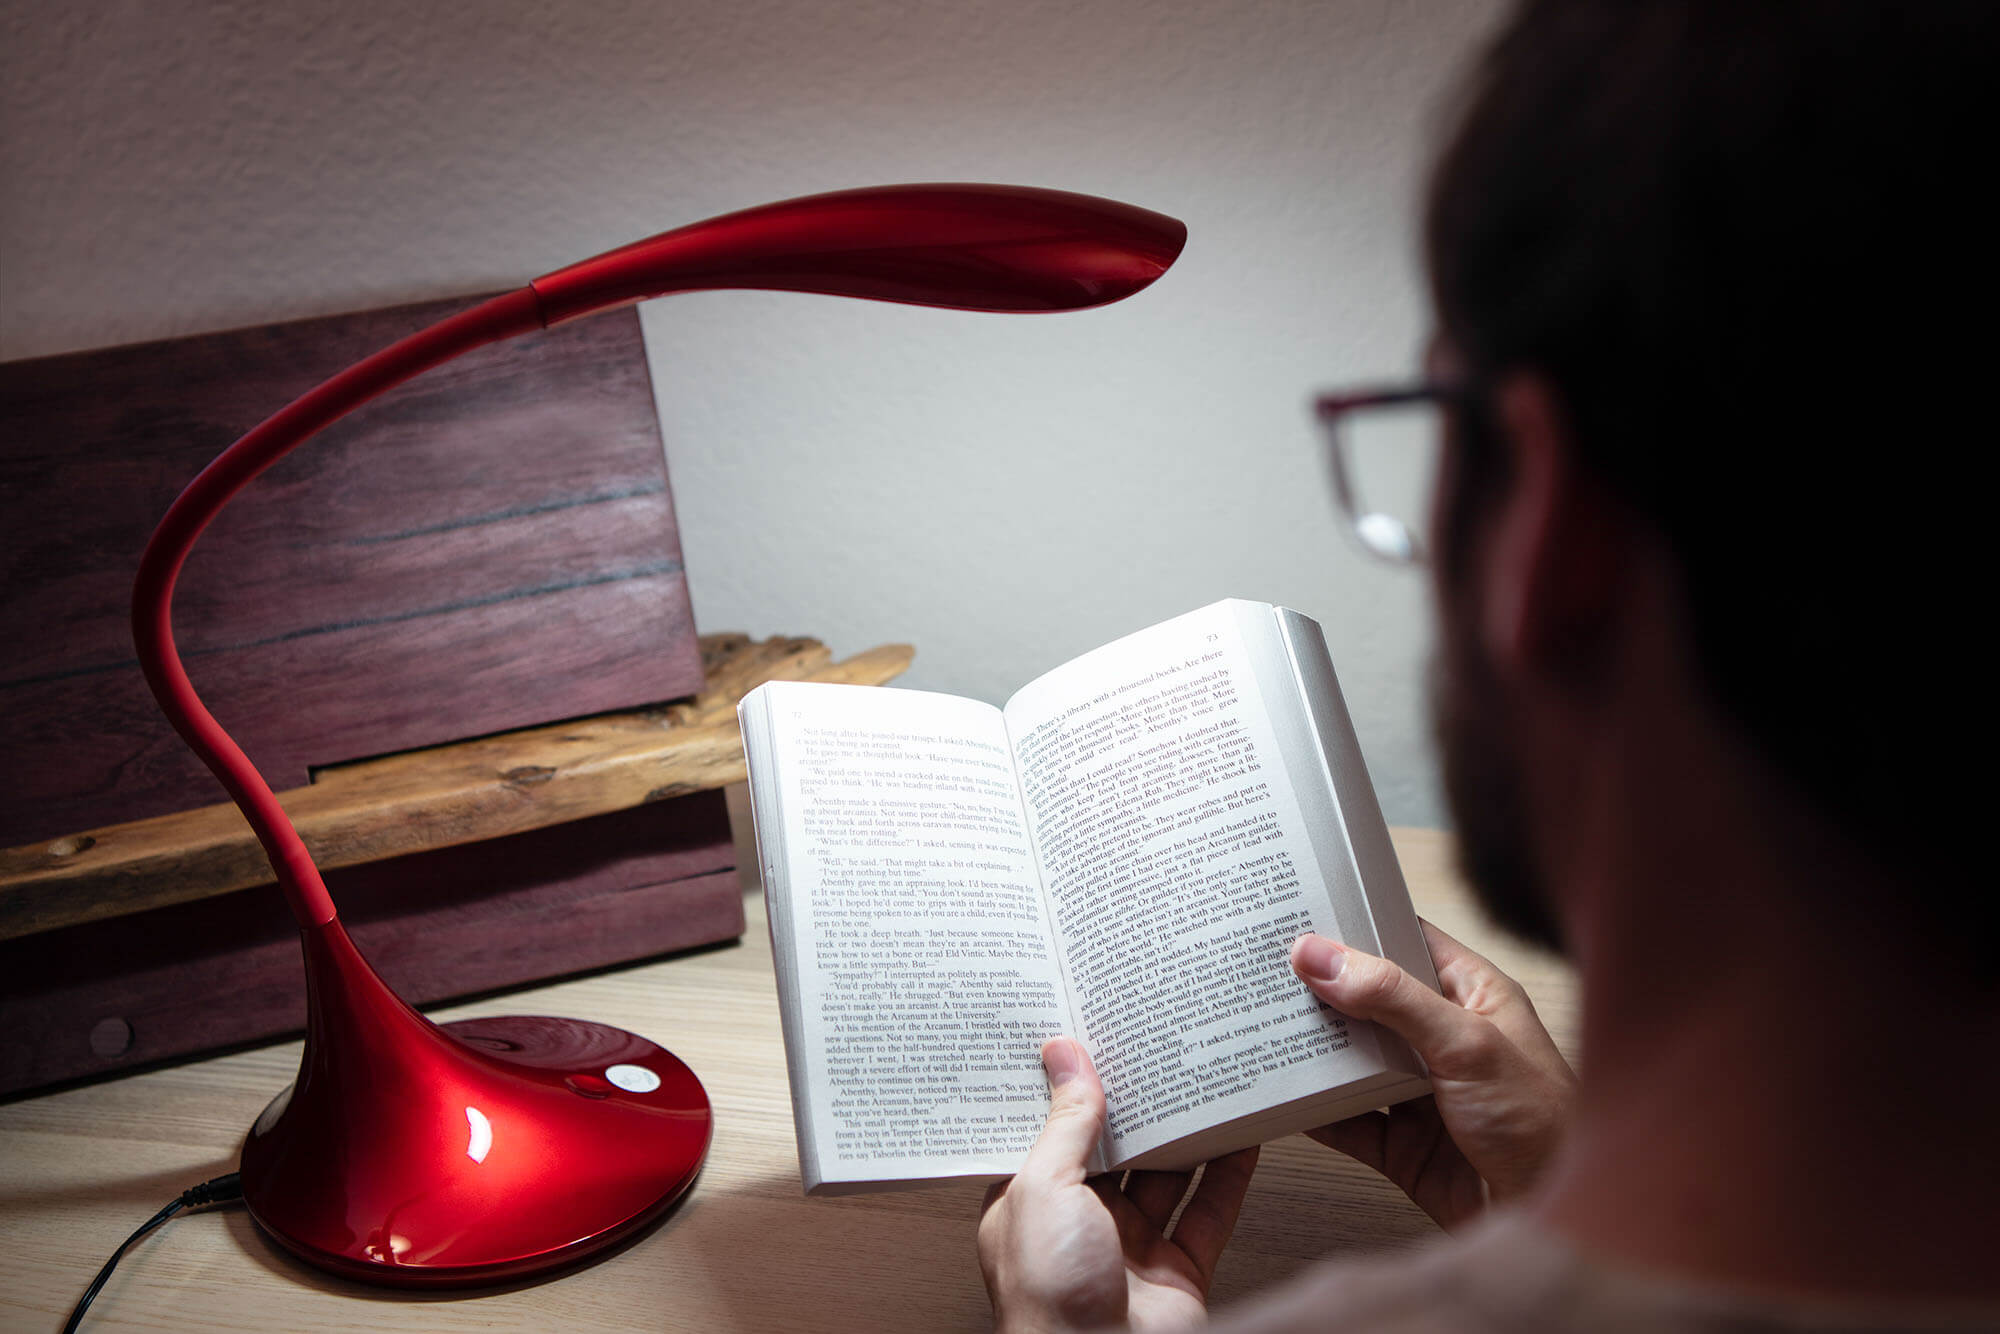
pixel 1383 444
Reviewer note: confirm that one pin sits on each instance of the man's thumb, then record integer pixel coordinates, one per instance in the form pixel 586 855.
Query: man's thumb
pixel 1367 987
pixel 1076 1110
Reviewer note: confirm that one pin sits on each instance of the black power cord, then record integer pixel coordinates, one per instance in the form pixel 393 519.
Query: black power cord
pixel 225 1189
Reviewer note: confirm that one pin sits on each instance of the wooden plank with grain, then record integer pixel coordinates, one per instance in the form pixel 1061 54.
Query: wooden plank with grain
pixel 495 537
pixel 415 801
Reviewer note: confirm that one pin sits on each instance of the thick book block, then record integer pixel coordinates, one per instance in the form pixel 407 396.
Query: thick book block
pixel 487 547
pixel 109 996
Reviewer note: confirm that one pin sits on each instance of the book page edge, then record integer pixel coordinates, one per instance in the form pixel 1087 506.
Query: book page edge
pixel 1383 890
pixel 752 717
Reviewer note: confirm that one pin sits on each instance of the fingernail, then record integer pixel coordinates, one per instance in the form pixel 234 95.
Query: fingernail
pixel 1317 959
pixel 1062 1060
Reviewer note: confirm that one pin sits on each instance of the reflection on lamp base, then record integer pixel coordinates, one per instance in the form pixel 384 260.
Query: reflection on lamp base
pixel 416 1154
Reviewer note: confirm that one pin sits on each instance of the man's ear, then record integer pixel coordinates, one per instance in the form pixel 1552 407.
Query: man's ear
pixel 1557 551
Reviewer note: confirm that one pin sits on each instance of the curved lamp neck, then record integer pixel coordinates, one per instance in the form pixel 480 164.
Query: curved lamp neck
pixel 967 247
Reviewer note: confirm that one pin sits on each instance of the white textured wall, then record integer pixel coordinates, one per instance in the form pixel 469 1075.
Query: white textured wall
pixel 1002 491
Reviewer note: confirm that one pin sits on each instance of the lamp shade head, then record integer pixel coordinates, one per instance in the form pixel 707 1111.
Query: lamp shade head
pixel 965 247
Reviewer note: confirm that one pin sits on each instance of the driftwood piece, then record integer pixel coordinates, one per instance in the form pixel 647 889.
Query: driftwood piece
pixel 418 800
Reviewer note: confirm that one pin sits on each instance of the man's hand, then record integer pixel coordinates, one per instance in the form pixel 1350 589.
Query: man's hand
pixel 1062 1252
pixel 1502 1093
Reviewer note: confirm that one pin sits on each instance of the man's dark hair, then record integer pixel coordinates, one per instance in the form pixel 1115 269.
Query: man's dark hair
pixel 1742 240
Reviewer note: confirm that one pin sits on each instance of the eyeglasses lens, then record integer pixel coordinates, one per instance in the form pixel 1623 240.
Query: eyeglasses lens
pixel 1390 455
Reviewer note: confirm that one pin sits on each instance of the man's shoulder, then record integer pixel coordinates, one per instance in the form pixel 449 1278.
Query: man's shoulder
pixel 1509 1274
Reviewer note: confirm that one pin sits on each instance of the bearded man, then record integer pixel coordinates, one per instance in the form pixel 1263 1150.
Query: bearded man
pixel 1710 287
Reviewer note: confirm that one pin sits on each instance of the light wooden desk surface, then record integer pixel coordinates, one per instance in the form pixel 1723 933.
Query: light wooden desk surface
pixel 746 1250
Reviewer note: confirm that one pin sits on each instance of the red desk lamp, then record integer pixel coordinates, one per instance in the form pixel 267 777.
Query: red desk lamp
pixel 420 1154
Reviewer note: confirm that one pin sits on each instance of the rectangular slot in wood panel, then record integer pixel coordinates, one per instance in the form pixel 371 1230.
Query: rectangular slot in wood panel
pixel 219 971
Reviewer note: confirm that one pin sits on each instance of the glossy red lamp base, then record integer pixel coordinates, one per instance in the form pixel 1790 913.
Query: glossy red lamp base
pixel 412 1153
pixel 420 1154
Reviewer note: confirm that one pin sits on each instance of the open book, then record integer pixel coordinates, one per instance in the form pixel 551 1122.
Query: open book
pixel 1124 853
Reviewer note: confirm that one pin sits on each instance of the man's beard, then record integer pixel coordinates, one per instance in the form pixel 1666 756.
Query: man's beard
pixel 1484 791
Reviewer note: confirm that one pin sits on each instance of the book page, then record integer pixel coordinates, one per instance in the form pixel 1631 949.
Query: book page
pixel 1179 870
pixel 922 974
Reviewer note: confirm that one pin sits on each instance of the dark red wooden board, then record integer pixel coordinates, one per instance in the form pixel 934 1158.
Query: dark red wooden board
pixel 110 996
pixel 488 547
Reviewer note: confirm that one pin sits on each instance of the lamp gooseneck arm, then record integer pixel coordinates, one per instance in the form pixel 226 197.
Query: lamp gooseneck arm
pixel 492 321
pixel 961 246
